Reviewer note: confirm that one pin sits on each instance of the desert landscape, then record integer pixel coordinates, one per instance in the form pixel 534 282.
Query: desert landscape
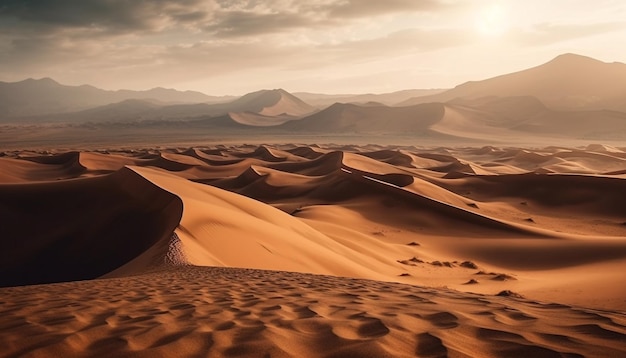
pixel 317 179
pixel 309 250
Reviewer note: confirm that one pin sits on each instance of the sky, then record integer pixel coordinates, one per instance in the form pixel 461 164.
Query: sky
pixel 346 46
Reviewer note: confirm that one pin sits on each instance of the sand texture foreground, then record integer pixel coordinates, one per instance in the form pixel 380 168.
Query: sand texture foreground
pixel 309 250
pixel 229 312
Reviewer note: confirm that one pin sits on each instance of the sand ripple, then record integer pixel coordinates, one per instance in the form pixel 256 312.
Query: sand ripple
pixel 236 312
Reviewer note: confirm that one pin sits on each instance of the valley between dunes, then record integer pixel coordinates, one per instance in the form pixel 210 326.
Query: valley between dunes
pixel 314 250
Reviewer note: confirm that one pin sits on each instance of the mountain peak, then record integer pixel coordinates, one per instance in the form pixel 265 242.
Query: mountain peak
pixel 267 92
pixel 567 82
pixel 272 102
pixel 573 59
pixel 42 81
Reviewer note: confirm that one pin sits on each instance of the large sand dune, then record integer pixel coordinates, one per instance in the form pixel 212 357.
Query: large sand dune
pixel 546 224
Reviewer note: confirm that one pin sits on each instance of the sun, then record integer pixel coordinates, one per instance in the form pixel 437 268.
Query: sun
pixel 492 21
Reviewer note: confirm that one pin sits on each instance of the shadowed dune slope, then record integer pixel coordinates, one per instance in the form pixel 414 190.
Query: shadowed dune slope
pixel 589 194
pixel 80 229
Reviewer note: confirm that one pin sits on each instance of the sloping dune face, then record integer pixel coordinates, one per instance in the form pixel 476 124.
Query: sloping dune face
pixel 80 229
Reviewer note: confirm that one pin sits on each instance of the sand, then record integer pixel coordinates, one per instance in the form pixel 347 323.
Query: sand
pixel 203 311
pixel 309 250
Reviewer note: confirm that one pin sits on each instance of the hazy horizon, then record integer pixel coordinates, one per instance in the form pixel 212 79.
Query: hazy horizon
pixel 230 47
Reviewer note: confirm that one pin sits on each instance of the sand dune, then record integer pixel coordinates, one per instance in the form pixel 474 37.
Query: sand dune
pixel 269 108
pixel 272 103
pixel 544 224
pixel 260 120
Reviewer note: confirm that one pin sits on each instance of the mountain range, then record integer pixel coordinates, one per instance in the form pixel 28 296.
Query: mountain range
pixel 568 82
pixel 571 96
pixel 46 96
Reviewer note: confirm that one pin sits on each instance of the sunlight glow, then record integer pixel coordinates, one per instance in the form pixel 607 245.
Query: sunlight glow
pixel 492 21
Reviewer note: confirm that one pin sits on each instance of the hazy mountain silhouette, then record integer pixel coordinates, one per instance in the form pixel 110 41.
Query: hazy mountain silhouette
pixel 262 108
pixel 347 117
pixel 325 100
pixel 46 96
pixel 483 119
pixel 271 103
pixel 571 96
pixel 567 82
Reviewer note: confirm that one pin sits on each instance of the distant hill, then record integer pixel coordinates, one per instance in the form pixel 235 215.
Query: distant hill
pixel 568 82
pixel 33 97
pixel 264 102
pixel 261 108
pixel 369 118
pixel 570 97
pixel 515 118
pixel 271 103
pixel 324 100
pixel 484 119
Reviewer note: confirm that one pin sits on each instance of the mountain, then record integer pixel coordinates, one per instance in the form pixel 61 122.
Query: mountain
pixel 486 119
pixel 370 118
pixel 568 82
pixel 271 103
pixel 570 97
pixel 45 96
pixel 261 108
pixel 515 118
pixel 124 111
pixel 325 100
pixel 269 108
pixel 169 95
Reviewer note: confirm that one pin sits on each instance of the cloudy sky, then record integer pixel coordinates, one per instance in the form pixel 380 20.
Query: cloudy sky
pixel 331 46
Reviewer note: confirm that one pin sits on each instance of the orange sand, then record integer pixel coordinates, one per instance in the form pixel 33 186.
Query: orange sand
pixel 546 224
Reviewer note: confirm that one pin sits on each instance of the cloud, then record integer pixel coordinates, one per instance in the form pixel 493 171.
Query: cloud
pixel 246 23
pixel 547 33
pixel 40 35
pixel 368 8
pixel 143 43
pixel 405 41
pixel 217 17
pixel 107 15
pixel 253 18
